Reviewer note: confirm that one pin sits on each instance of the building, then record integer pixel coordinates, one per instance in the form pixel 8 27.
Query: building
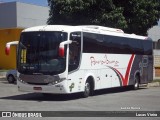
pixel 154 33
pixel 14 17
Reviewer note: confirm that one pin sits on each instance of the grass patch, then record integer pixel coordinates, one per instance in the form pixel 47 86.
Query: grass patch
pixel 3 70
pixel 157 80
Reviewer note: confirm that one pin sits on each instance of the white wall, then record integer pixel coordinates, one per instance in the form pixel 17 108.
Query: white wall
pixel 8 15
pixel 23 15
pixel 31 15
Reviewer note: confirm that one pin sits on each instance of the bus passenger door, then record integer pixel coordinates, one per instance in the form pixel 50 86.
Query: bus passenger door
pixel 74 51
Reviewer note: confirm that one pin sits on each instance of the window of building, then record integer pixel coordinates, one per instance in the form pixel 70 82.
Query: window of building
pixel 156 45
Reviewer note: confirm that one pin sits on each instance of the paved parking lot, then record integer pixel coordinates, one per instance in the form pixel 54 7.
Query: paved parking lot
pixel 144 99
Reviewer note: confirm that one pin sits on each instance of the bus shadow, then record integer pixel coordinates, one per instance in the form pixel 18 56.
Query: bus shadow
pixel 115 90
pixel 40 97
pixel 64 97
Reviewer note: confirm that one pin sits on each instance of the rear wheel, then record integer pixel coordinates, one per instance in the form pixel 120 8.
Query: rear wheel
pixel 136 82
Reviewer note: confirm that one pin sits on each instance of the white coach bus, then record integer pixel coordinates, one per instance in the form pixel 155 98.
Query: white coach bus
pixel 70 59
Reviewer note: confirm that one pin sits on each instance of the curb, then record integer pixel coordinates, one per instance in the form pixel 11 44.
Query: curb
pixel 154 84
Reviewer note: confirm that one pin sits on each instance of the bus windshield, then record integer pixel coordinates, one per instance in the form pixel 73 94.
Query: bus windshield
pixel 38 53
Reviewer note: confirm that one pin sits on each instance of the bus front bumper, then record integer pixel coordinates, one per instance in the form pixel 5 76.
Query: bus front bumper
pixel 56 89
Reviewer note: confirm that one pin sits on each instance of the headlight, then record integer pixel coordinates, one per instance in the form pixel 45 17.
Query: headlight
pixel 21 81
pixel 58 81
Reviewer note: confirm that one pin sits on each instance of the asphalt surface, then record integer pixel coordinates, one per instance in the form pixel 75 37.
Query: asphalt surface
pixel 124 99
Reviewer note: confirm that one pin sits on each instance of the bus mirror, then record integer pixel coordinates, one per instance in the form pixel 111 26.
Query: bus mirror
pixel 61 47
pixel 8 45
pixel 7 50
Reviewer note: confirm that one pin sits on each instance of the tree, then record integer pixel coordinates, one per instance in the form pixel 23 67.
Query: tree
pixel 133 16
pixel 139 14
pixel 95 12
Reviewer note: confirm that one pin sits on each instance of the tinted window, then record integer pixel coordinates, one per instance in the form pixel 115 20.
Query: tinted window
pixel 38 52
pixel 98 43
pixel 147 45
pixel 92 42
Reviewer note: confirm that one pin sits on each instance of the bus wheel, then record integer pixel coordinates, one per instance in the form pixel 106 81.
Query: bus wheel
pixel 136 82
pixel 87 89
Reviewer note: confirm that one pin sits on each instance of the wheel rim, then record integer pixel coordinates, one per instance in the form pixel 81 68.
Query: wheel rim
pixel 136 85
pixel 87 89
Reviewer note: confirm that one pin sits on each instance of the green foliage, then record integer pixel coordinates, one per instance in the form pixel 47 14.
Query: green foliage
pixel 133 16
pixel 139 14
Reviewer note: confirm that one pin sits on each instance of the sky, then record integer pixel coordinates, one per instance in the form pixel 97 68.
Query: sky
pixel 37 2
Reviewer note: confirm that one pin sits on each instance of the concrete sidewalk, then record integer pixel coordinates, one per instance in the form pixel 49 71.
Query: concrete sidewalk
pixel 154 84
pixel 2 74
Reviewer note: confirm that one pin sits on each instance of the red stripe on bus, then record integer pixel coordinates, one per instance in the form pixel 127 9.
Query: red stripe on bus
pixel 126 79
pixel 128 70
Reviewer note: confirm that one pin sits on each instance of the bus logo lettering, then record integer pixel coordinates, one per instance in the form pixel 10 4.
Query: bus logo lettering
pixel 106 61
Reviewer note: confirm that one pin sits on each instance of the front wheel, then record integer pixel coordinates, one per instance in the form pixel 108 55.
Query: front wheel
pixel 87 89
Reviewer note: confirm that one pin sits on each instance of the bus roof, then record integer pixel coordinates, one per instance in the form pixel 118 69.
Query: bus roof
pixel 63 28
pixel 85 28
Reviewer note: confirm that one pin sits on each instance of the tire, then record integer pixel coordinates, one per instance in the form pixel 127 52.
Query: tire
pixel 87 89
pixel 11 79
pixel 136 82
